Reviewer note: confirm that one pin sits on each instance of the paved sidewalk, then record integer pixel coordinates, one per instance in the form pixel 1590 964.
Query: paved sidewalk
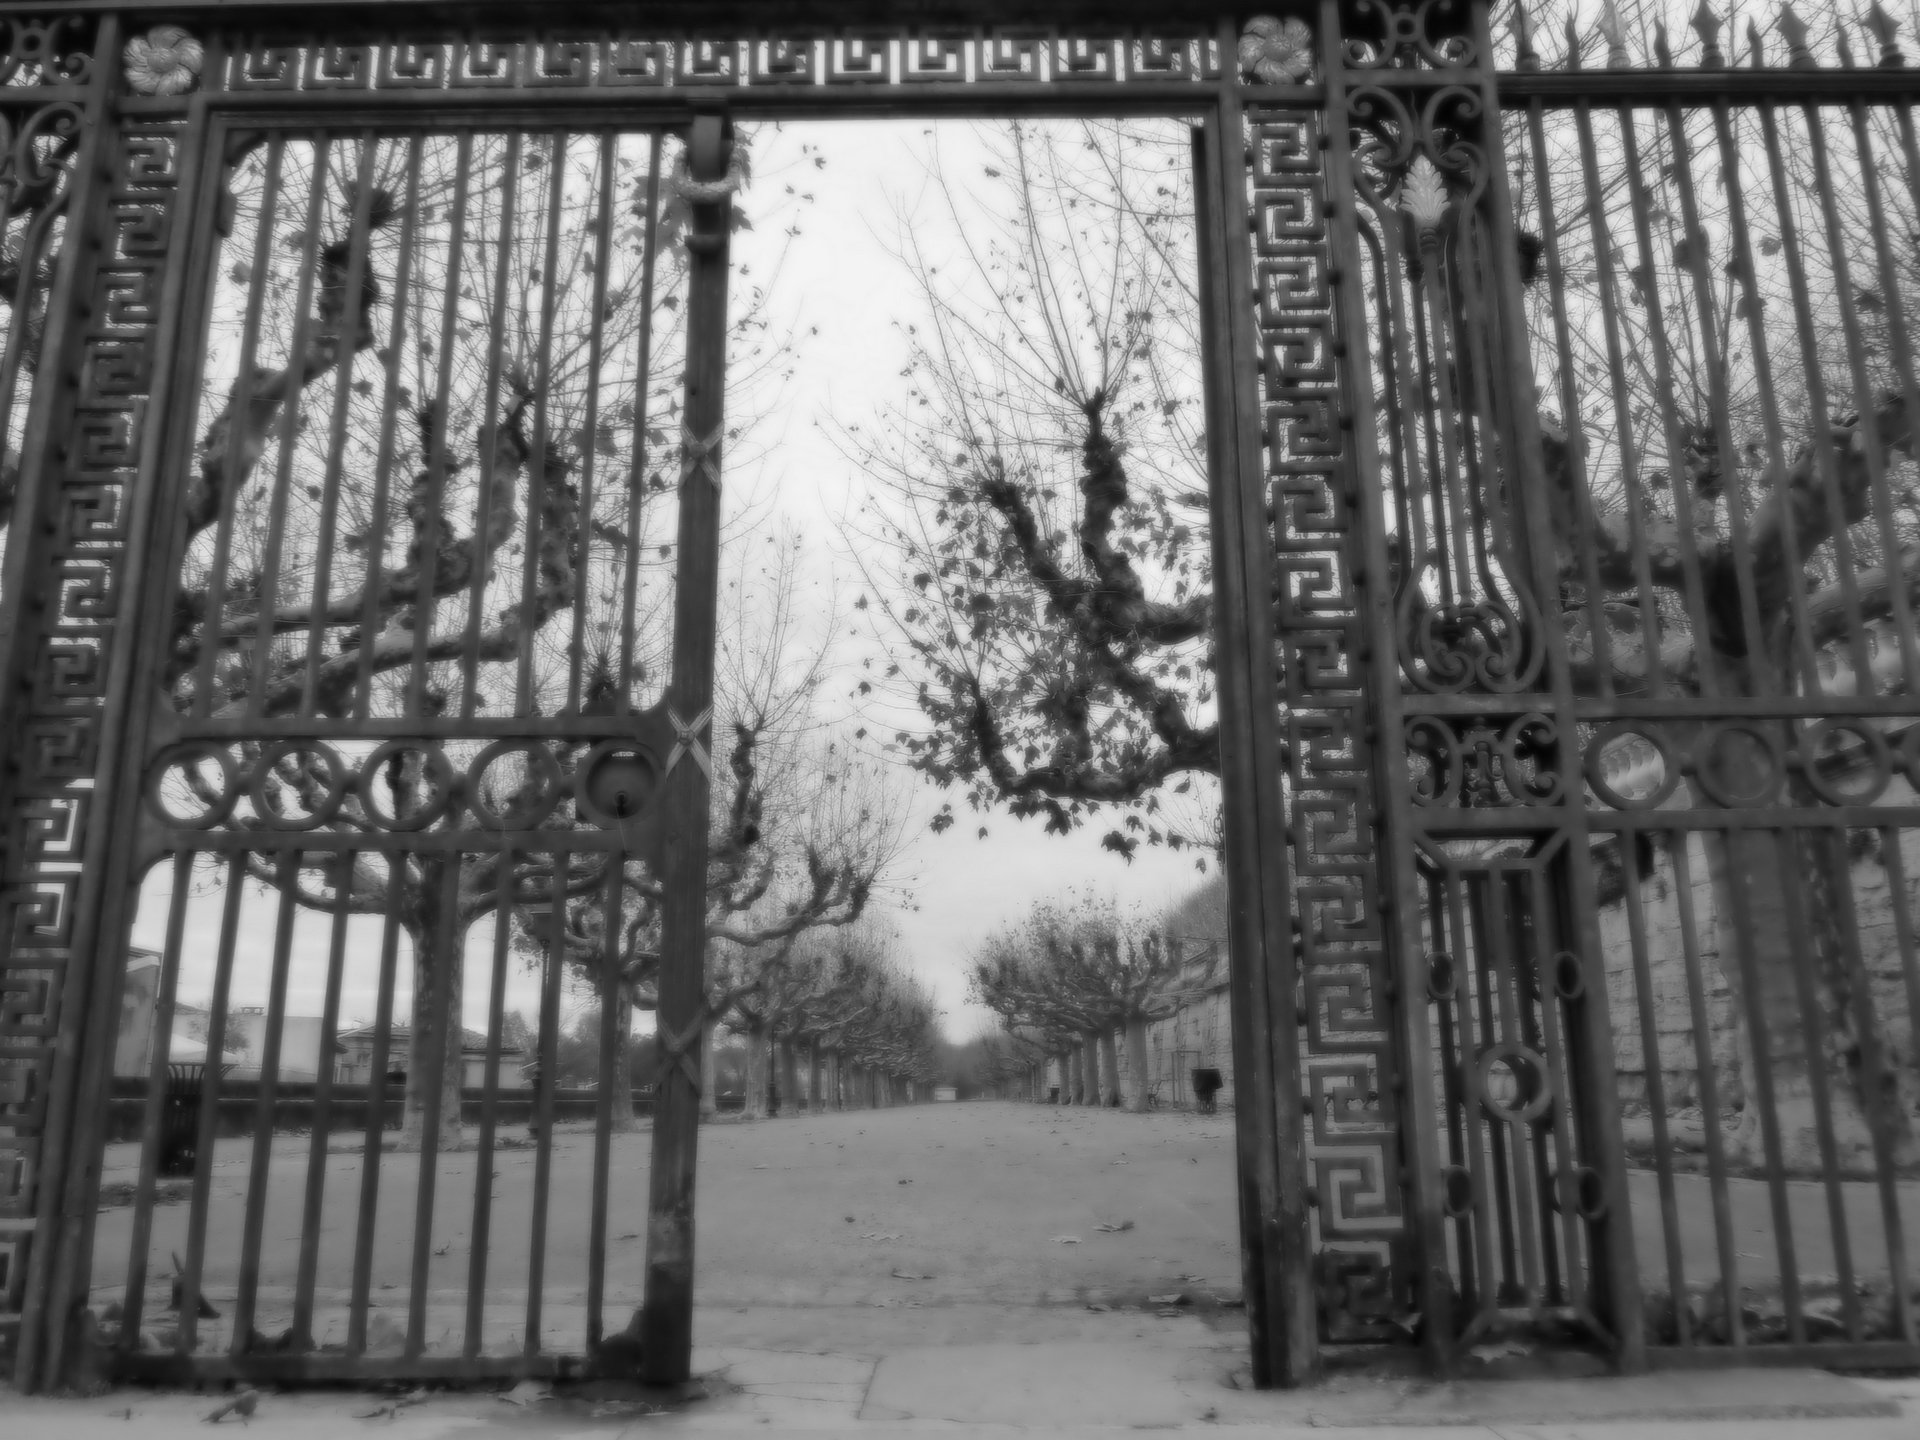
pixel 1186 1381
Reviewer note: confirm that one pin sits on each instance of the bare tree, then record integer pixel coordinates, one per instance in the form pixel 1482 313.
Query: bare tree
pixel 438 382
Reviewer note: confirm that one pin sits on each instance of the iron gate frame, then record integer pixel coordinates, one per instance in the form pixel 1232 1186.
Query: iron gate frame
pixel 1276 1255
pixel 1322 832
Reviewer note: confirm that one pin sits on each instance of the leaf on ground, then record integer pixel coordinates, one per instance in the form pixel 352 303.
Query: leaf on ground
pixel 1499 1350
pixel 1107 1229
pixel 881 1235
pixel 910 1275
pixel 527 1392
pixel 1066 1239
pixel 1179 1297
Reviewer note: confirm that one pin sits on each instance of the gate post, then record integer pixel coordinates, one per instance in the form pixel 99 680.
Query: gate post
pixel 1378 661
pixel 1275 1245
pixel 666 1318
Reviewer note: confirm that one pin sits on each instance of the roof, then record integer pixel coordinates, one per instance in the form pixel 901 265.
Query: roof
pixel 471 1041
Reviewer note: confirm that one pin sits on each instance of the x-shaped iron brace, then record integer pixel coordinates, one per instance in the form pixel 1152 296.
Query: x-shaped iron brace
pixel 680 1048
pixel 686 740
pixel 700 457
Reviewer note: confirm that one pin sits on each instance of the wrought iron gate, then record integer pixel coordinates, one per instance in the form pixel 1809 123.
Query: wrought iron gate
pixel 1527 524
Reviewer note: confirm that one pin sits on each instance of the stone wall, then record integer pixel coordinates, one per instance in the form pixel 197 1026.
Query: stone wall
pixel 1666 966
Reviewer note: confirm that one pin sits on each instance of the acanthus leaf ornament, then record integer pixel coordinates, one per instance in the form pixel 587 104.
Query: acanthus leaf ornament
pixel 1275 51
pixel 164 61
pixel 1423 194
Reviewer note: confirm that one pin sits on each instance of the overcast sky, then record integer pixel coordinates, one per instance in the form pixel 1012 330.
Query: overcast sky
pixel 838 287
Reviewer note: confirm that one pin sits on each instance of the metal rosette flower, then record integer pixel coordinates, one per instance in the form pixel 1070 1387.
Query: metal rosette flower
pixel 1275 51
pixel 164 61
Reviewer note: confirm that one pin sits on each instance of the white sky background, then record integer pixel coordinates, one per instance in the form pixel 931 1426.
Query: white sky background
pixel 839 289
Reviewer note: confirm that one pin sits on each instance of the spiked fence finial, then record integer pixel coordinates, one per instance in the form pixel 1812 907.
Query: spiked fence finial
pixel 1886 30
pixel 1707 26
pixel 1840 44
pixel 1527 56
pixel 1662 51
pixel 1756 52
pixel 1614 33
pixel 1573 43
pixel 1794 31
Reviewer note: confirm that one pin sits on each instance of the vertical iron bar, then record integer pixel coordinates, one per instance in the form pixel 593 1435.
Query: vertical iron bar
pixel 1895 860
pixel 490 428
pixel 482 1233
pixel 613 1081
pixel 1787 851
pixel 346 345
pixel 260 1163
pixel 239 424
pixel 1702 1023
pixel 590 457
pixel 443 1029
pixel 537 462
pixel 208 1133
pixel 667 1321
pixel 1399 899
pixel 1268 1130
pixel 371 620
pixel 1873 452
pixel 312 1216
pixel 1878 1081
pixel 636 472
pixel 1656 1085
pixel 290 408
pixel 556 961
pixel 1742 963
pixel 1635 504
pixel 1753 633
pixel 1758 343
pixel 153 1118
pixel 1678 486
pixel 374 1137
pixel 1826 461
pixel 1580 501
pixel 426 602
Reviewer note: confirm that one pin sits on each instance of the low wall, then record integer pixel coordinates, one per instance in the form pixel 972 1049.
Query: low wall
pixel 293 1106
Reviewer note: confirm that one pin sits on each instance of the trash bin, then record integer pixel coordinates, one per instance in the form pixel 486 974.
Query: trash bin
pixel 180 1117
pixel 1206 1084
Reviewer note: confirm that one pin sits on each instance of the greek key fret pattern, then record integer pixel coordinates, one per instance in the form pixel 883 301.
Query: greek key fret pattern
pixel 45 65
pixel 53 751
pixel 1038 55
pixel 1347 1036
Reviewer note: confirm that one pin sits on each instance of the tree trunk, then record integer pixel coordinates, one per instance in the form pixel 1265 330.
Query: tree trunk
pixel 756 1074
pixel 1089 1068
pixel 789 1077
pixel 709 1073
pixel 625 1121
pixel 1076 1077
pixel 1140 1083
pixel 813 1077
pixel 435 1016
pixel 1110 1064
